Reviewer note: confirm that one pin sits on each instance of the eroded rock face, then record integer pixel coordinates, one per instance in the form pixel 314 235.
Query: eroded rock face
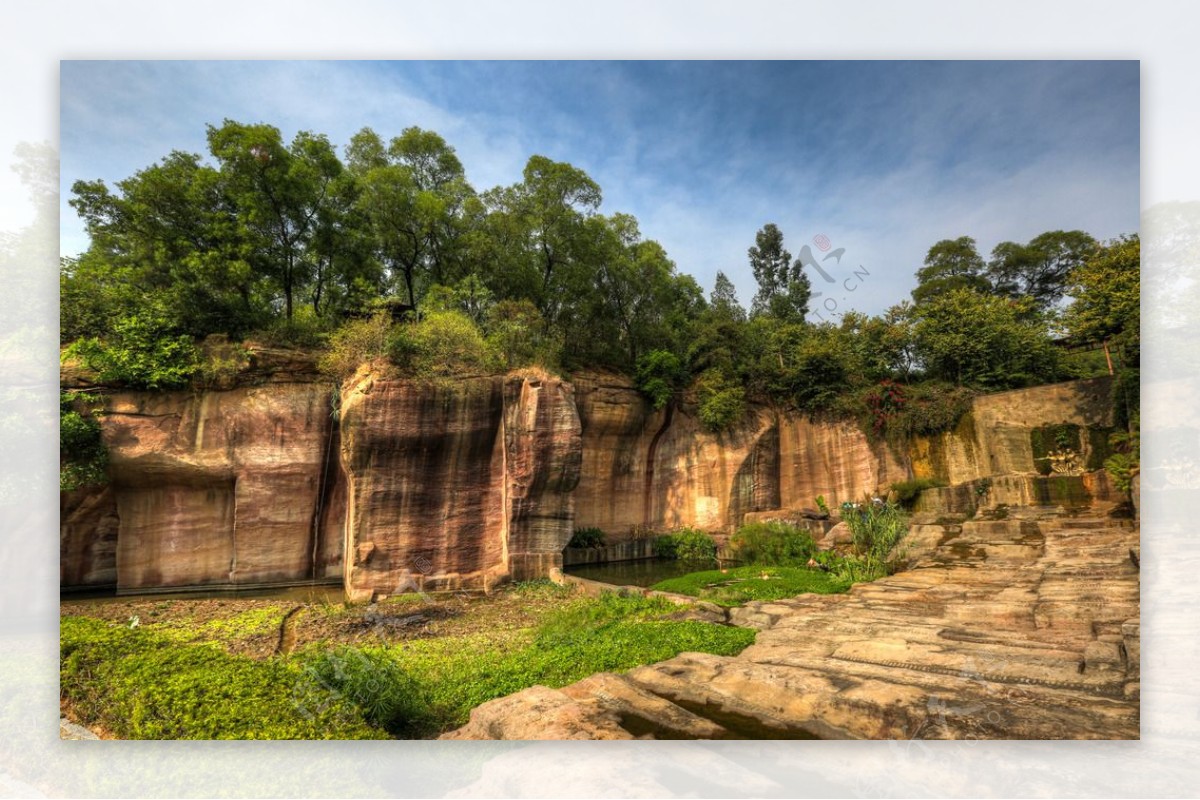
pixel 458 485
pixel 88 525
pixel 483 479
pixel 995 438
pixel 662 470
pixel 222 487
pixel 833 460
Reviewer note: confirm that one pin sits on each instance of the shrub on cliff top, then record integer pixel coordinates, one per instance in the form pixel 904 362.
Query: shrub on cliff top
pixel 144 350
pixel 722 402
pixel 355 343
pixel 443 344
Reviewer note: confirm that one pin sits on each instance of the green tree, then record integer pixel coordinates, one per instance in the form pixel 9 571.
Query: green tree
pixel 279 192
pixel 985 341
pixel 170 235
pixel 626 289
pixel 783 288
pixel 723 299
pixel 1106 292
pixel 1040 268
pixel 659 375
pixel 950 264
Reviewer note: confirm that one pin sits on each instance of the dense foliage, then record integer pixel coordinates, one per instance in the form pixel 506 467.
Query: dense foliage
pixel 292 242
pixel 82 454
pixel 686 544
pixel 878 529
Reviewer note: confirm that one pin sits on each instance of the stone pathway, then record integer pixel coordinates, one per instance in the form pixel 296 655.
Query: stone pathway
pixel 1010 629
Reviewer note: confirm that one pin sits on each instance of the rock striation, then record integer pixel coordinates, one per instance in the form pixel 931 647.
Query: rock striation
pixel 466 483
pixel 228 487
pixel 458 485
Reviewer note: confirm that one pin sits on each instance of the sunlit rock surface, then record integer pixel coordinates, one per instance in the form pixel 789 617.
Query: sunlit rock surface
pixel 223 487
pixel 456 485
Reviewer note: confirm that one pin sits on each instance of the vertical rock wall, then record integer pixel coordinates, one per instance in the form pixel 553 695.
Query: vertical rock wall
pixel 471 482
pixel 458 485
pixel 833 460
pixel 220 487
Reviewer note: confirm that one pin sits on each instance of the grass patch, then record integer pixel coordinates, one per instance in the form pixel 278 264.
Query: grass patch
pixel 740 585
pixel 151 682
pixel 139 684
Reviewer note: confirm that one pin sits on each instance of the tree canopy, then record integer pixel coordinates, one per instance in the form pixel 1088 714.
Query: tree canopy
pixel 292 242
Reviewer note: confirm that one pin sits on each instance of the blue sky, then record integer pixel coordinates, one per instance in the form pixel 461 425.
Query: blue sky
pixel 884 158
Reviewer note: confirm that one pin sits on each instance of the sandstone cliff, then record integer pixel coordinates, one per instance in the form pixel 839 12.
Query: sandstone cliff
pixel 465 484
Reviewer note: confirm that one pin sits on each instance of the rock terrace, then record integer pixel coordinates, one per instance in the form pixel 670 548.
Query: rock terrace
pixel 1021 628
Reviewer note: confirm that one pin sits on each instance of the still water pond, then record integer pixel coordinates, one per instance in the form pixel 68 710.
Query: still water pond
pixel 645 572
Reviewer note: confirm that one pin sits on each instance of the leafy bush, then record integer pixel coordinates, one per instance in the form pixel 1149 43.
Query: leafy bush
pixel 686 544
pixel 143 351
pixel 773 543
pixel 659 373
pixel 822 506
pixel 304 330
pixel 907 491
pixel 82 455
pixel 220 362
pixel 1125 460
pixel 877 528
pixel 517 330
pixel 587 537
pixel 444 343
pixel 355 343
pixel 722 402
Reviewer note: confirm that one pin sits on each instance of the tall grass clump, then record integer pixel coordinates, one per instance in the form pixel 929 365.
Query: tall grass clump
pixel 877 530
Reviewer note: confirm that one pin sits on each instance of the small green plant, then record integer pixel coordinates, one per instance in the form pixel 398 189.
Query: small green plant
pixel 877 529
pixel 1126 458
pixel 587 537
pixel 982 488
pixel 907 491
pixel 686 544
pixel 82 456
pixel 822 506
pixel 773 543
